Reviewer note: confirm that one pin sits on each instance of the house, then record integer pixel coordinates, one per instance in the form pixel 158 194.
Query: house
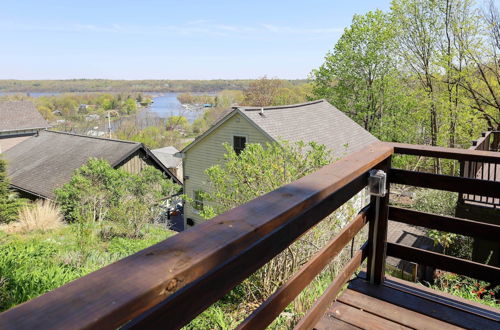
pixel 316 121
pixel 19 120
pixel 170 158
pixel 46 161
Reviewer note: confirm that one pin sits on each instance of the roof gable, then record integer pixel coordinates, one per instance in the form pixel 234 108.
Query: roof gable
pixel 20 115
pixel 45 162
pixel 316 121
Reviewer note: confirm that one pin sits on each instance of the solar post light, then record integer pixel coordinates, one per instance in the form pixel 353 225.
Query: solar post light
pixel 377 183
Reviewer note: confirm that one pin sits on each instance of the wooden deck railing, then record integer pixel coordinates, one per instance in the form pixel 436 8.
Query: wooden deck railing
pixel 169 284
pixel 489 141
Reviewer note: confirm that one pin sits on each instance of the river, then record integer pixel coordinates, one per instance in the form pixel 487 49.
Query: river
pixel 164 105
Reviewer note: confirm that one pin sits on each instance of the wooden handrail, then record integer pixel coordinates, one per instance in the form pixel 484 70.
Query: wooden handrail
pixel 224 248
pixel 441 261
pixel 277 302
pixel 149 288
pixel 447 153
pixel 320 306
pixel 446 182
pixel 445 223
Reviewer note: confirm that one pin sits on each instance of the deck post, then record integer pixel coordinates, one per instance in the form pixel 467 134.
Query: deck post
pixel 377 235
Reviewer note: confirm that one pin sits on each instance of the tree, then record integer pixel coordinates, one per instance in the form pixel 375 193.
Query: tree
pixel 9 202
pixel 97 192
pixel 359 75
pixel 177 122
pixel 262 92
pixel 258 170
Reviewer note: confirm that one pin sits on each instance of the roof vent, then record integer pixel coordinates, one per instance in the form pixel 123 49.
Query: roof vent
pixel 261 111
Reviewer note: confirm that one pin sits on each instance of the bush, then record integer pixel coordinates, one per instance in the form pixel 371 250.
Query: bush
pixel 98 193
pixel 9 202
pixel 43 215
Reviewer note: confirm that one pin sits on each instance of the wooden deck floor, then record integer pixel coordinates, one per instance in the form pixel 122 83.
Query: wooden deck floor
pixel 399 304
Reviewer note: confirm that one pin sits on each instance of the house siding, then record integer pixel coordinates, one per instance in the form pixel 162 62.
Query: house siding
pixel 210 151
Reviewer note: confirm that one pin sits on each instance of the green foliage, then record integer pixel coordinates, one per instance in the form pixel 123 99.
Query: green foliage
pixel 152 136
pixel 258 170
pixel 33 264
pixel 177 122
pixel 97 193
pixel 360 76
pixel 9 202
pixel 467 288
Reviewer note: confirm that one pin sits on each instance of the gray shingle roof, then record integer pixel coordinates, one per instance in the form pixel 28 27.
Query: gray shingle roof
pixel 167 156
pixel 20 115
pixel 317 121
pixel 44 162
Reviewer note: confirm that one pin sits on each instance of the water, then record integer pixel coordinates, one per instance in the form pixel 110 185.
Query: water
pixel 164 105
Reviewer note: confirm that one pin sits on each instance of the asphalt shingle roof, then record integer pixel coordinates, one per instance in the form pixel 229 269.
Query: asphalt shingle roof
pixel 20 115
pixel 317 121
pixel 44 162
pixel 167 156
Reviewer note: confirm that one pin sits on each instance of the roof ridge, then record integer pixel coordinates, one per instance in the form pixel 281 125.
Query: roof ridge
pixel 297 105
pixel 92 137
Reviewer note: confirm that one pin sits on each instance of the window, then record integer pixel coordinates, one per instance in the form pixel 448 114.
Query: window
pixel 198 200
pixel 239 143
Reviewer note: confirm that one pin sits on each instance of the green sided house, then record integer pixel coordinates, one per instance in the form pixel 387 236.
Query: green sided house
pixel 316 121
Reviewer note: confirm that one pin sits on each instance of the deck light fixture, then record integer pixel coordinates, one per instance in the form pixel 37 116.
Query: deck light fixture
pixel 377 183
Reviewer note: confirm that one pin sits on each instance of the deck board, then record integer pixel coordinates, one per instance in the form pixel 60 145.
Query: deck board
pixel 400 305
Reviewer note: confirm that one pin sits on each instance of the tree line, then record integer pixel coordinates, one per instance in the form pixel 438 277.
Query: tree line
pixel 424 72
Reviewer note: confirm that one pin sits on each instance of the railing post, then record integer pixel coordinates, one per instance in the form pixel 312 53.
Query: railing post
pixel 377 235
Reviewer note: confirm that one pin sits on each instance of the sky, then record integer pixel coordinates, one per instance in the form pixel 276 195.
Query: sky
pixel 145 39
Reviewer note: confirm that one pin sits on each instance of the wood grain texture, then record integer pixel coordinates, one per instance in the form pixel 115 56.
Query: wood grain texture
pixel 428 305
pixel 115 294
pixel 392 312
pixel 277 302
pixel 321 305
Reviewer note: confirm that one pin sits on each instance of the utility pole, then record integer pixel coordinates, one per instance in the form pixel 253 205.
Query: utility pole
pixel 109 124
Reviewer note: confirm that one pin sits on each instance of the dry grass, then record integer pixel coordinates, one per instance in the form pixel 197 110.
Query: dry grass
pixel 39 216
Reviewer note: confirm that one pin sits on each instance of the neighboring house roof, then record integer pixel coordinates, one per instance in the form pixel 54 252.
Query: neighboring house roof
pixel 47 161
pixel 20 115
pixel 167 156
pixel 316 121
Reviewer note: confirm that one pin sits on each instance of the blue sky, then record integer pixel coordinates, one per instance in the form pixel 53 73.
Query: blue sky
pixel 170 39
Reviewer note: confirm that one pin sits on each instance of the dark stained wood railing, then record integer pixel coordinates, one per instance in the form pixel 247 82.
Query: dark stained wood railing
pixel 464 185
pixel 489 171
pixel 169 284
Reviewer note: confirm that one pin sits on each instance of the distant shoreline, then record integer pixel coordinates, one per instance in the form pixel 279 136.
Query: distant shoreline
pixel 131 86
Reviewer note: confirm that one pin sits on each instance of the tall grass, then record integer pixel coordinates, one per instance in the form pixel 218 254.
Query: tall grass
pixel 42 216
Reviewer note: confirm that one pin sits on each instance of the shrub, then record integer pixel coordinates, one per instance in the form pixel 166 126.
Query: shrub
pixel 42 215
pixel 97 192
pixel 9 202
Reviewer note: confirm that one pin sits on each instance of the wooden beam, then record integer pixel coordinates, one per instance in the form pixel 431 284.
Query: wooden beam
pixel 322 304
pixel 446 182
pixel 377 235
pixel 445 223
pixel 277 302
pixel 448 153
pixel 452 264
